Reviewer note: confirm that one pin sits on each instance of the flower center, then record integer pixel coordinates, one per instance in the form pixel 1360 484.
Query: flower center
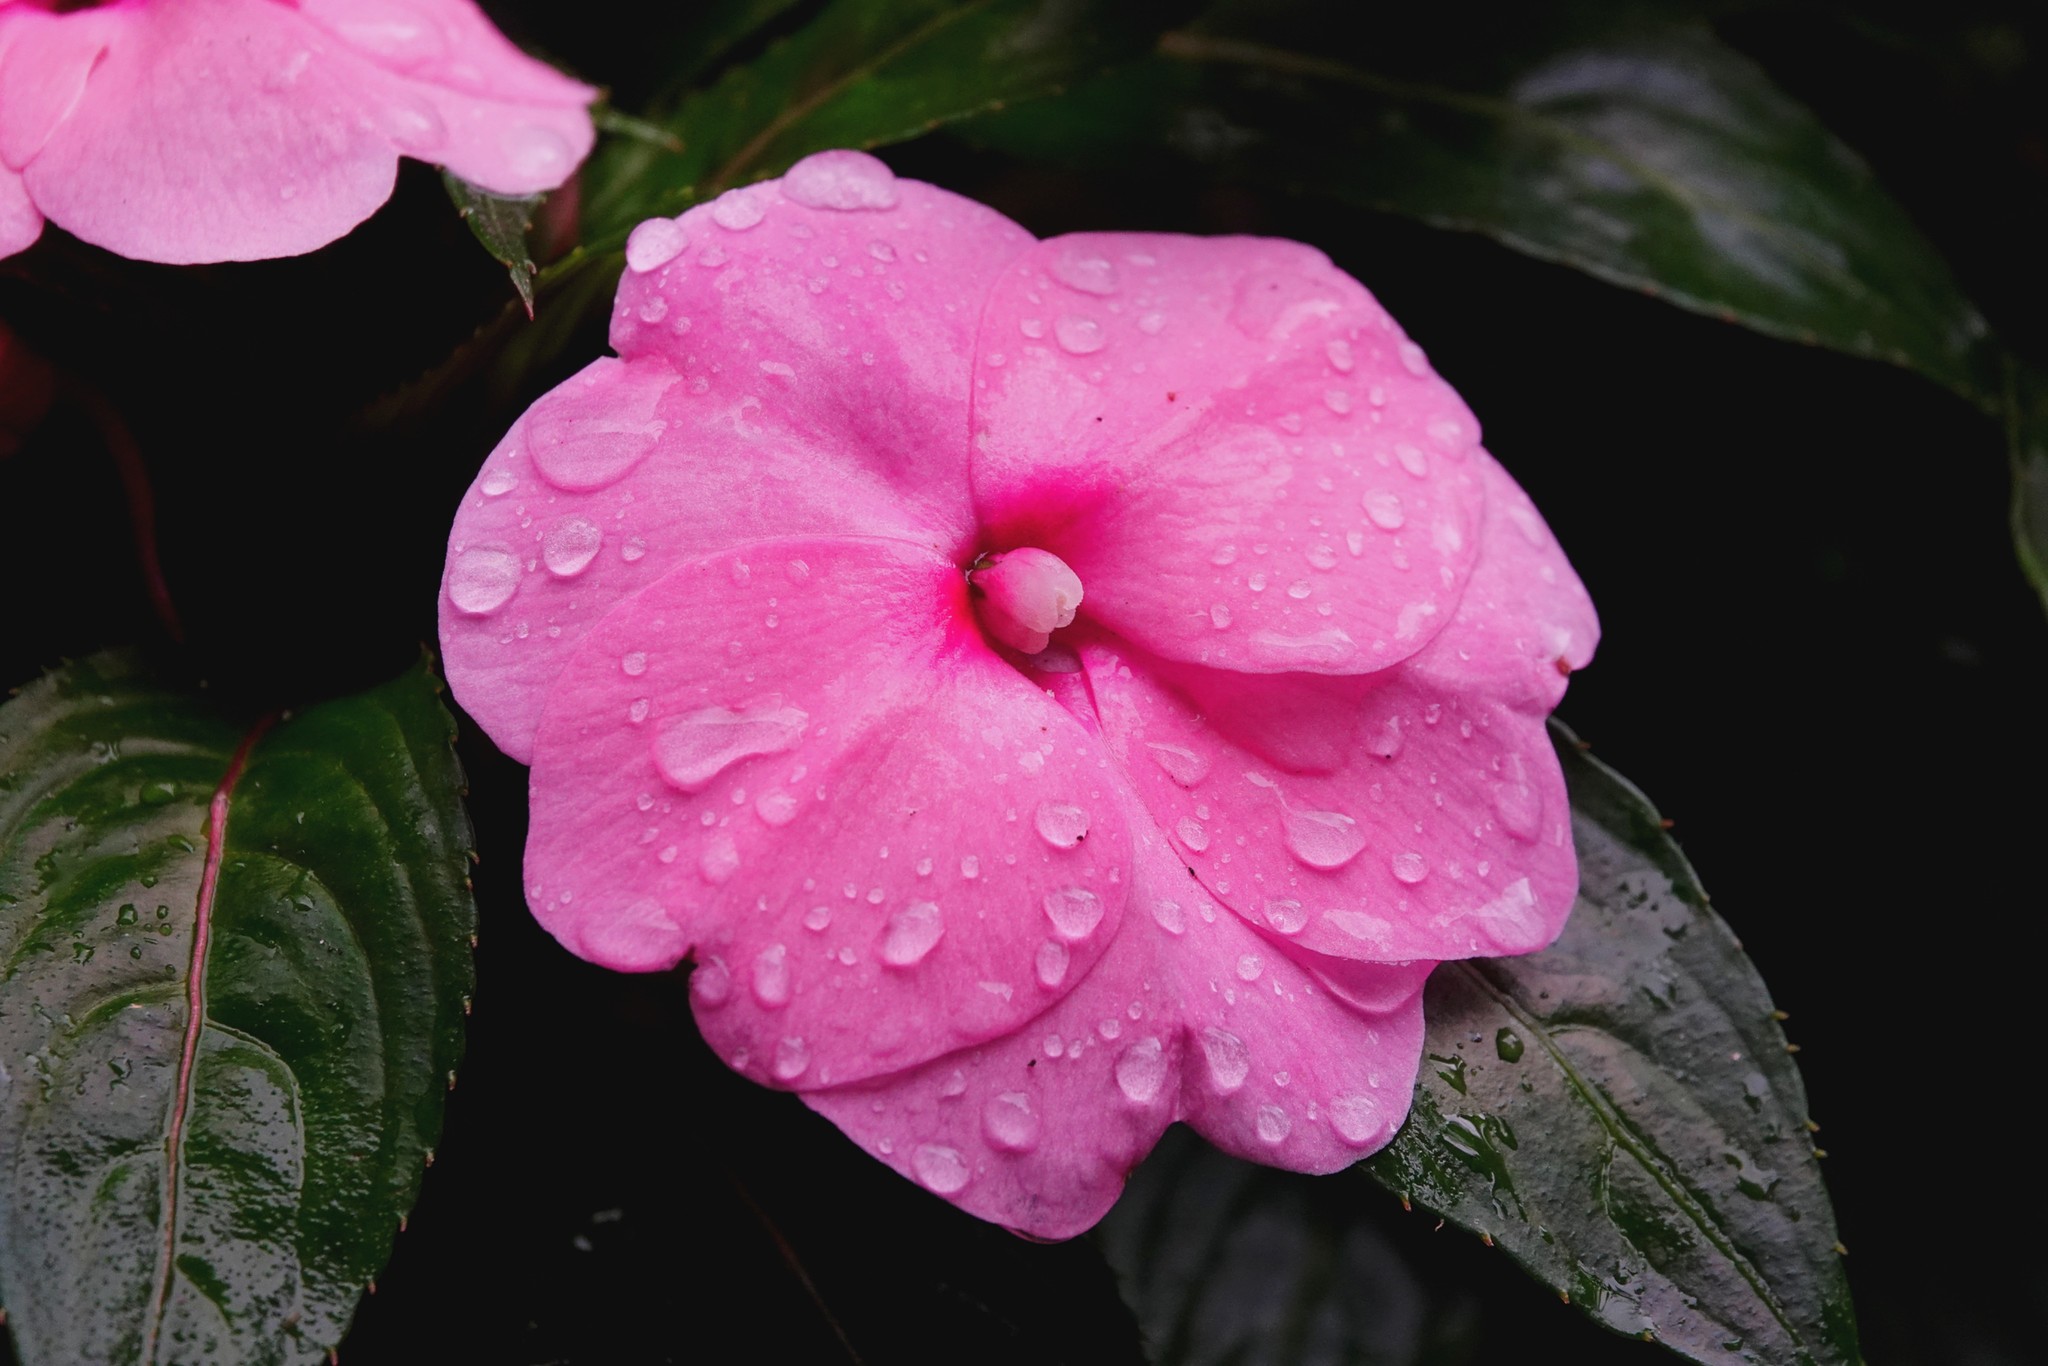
pixel 1024 595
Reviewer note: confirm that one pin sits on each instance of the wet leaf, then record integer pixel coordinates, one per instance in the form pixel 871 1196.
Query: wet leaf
pixel 231 1004
pixel 1620 1113
pixel 501 223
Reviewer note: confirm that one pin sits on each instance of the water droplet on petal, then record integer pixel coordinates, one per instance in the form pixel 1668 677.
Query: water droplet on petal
pixel 1410 867
pixel 498 482
pixel 482 580
pixel 1323 839
pixel 1009 1122
pixel 1520 808
pixel 654 244
pixel 711 983
pixel 1061 824
pixel 569 546
pixel 842 180
pixel 1286 915
pixel 792 1056
pixel 1074 912
pixel 1387 743
pixel 1273 1124
pixel 1383 510
pixel 1413 459
pixel 1086 270
pixel 1192 834
pixel 1168 915
pixel 775 807
pixel 1229 1062
pixel 1052 963
pixel 771 976
pixel 633 663
pixel 1413 358
pixel 1339 353
pixel 1185 766
pixel 1356 1119
pixel 721 859
pixel 1078 335
pixel 911 934
pixel 818 919
pixel 537 153
pixel 937 1167
pixel 694 748
pixel 1141 1071
pixel 590 430
pixel 738 210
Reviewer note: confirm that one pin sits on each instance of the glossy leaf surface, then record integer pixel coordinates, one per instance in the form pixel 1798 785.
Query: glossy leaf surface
pixel 500 223
pixel 1620 1113
pixel 235 973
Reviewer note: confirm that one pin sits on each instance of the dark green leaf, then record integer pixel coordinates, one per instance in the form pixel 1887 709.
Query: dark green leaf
pixel 501 223
pixel 861 74
pixel 1228 1264
pixel 1620 1114
pixel 1651 156
pixel 219 1184
pixel 2027 426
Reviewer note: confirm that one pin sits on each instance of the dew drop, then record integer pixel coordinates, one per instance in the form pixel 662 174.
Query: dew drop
pixel 1273 1124
pixel 1322 839
pixel 1052 963
pixel 569 547
pixel 1192 834
pixel 1356 1119
pixel 911 934
pixel 1520 808
pixel 711 983
pixel 720 860
pixel 1383 510
pixel 1084 270
pixel 738 210
pixel 775 807
pixel 970 867
pixel 1249 967
pixel 498 483
pixel 939 1168
pixel 771 977
pixel 1061 824
pixel 1185 766
pixel 1229 1062
pixel 1413 358
pixel 1009 1122
pixel 1141 1071
pixel 1339 352
pixel 1078 335
pixel 792 1056
pixel 633 663
pixel 1410 867
pixel 590 430
pixel 1073 911
pixel 818 919
pixel 483 580
pixel 1286 915
pixel 846 181
pixel 1168 916
pixel 692 749
pixel 653 244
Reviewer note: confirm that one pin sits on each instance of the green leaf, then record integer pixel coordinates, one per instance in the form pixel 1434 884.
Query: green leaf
pixel 501 223
pixel 1620 1113
pixel 212 1166
pixel 1649 155
pixel 861 74
pixel 1226 1262
pixel 2027 431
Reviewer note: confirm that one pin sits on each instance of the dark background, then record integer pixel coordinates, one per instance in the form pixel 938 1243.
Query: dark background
pixel 1819 657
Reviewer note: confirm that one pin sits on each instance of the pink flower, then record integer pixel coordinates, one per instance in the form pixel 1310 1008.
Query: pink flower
pixel 233 130
pixel 750 599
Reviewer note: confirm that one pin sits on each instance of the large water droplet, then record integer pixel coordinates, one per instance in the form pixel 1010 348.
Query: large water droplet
pixel 1229 1062
pixel 711 983
pixel 792 1056
pixel 1383 510
pixel 654 244
pixel 1192 834
pixel 694 748
pixel 1078 335
pixel 1141 1071
pixel 1052 963
pixel 593 428
pixel 482 580
pixel 939 1168
pixel 1520 808
pixel 775 807
pixel 1167 914
pixel 1086 270
pixel 1286 915
pixel 1273 1124
pixel 1322 839
pixel 738 210
pixel 771 976
pixel 911 934
pixel 843 180
pixel 1062 824
pixel 1339 352
pixel 1413 358
pixel 721 859
pixel 1185 766
pixel 1356 1119
pixel 1010 1123
pixel 1410 867
pixel 1387 742
pixel 569 546
pixel 1327 647
pixel 1073 911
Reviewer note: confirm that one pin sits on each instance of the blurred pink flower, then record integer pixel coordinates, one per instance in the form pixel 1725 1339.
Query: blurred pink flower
pixel 751 599
pixel 234 130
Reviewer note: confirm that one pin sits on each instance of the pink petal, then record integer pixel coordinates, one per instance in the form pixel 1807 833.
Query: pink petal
pixel 1525 622
pixel 20 224
pixel 239 129
pixel 1190 1016
pixel 1387 818
pixel 747 406
pixel 1232 444
pixel 873 834
pixel 449 43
